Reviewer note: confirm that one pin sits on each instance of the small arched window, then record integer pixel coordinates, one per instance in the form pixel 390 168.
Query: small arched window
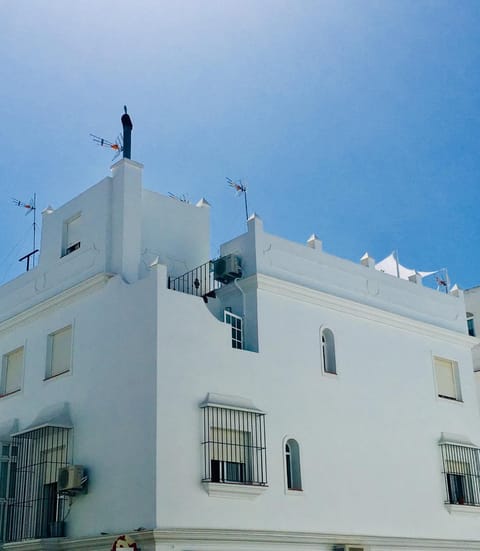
pixel 327 343
pixel 292 465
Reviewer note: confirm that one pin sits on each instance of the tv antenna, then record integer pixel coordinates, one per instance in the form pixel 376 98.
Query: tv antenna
pixel 117 146
pixel 123 143
pixel 31 206
pixel 182 198
pixel 240 188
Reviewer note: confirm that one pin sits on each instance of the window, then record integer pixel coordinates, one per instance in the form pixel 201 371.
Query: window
pixel 448 383
pixel 327 345
pixel 292 465
pixel 237 333
pixel 12 371
pixel 35 508
pixel 71 235
pixel 7 483
pixel 59 355
pixel 233 445
pixel 461 470
pixel 470 324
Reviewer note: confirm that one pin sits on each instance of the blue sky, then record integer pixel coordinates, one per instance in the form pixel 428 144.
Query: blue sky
pixel 356 120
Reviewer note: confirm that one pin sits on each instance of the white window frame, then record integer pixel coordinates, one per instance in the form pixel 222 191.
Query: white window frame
pixel 456 379
pixel 471 324
pixel 236 322
pixel 328 354
pixel 69 246
pixel 4 372
pixel 50 342
pixel 292 461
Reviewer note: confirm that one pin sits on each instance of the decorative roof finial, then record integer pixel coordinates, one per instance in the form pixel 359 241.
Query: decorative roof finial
pixel 127 134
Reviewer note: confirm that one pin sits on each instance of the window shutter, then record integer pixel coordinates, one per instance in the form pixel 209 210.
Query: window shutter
pixel 228 445
pixel 73 231
pixel 14 367
pixel 61 351
pixel 445 378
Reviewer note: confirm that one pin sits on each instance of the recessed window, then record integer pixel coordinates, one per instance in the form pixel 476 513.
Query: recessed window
pixel 71 235
pixel 59 356
pixel 234 446
pixel 327 347
pixel 461 470
pixel 35 509
pixel 447 378
pixel 470 324
pixel 292 465
pixel 237 331
pixel 12 372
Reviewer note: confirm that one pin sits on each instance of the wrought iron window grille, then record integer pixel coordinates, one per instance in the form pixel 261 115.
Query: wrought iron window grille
pixel 234 446
pixel 461 471
pixel 35 509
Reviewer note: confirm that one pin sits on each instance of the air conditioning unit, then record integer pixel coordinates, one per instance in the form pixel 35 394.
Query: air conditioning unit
pixel 343 547
pixel 70 478
pixel 227 268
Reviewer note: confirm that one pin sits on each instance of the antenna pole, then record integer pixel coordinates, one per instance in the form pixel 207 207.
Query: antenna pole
pixel 34 227
pixel 246 205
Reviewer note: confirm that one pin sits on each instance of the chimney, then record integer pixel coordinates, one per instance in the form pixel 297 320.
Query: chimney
pixel 127 134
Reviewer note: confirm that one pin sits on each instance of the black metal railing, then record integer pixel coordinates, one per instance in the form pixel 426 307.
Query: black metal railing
pixel 461 469
pixel 199 282
pixel 36 509
pixel 234 446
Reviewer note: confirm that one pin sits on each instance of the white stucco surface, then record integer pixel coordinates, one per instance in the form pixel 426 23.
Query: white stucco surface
pixel 144 358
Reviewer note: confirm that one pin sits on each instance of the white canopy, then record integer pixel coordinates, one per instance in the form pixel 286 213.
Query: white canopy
pixel 390 265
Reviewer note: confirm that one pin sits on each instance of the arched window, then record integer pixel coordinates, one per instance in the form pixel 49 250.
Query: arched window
pixel 471 324
pixel 292 465
pixel 328 351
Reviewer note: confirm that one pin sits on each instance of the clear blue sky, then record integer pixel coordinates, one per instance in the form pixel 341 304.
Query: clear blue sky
pixel 356 120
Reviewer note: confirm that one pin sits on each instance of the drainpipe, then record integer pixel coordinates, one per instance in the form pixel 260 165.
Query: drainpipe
pixel 244 300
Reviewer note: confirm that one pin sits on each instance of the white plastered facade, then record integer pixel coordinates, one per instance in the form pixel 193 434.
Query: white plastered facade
pixel 145 357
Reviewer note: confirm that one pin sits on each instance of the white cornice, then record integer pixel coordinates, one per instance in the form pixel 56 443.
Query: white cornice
pixel 358 310
pixel 244 539
pixel 80 288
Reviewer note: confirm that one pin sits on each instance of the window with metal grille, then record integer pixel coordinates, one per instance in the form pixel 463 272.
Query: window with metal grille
pixel 7 482
pixel 234 446
pixel 35 509
pixel 237 330
pixel 461 470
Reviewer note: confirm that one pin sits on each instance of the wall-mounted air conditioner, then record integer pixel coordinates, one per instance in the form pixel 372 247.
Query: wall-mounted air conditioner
pixel 227 268
pixel 70 478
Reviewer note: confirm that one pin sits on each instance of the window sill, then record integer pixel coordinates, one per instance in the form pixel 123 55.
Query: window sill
pixel 6 395
pixel 233 491
pixel 56 375
pixel 455 508
pixel 294 492
pixel 450 399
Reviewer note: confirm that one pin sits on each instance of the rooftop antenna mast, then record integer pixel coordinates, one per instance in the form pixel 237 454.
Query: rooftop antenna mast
pixel 240 188
pixel 31 207
pixel 123 143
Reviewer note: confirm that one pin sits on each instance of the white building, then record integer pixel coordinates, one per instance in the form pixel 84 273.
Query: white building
pixel 334 409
